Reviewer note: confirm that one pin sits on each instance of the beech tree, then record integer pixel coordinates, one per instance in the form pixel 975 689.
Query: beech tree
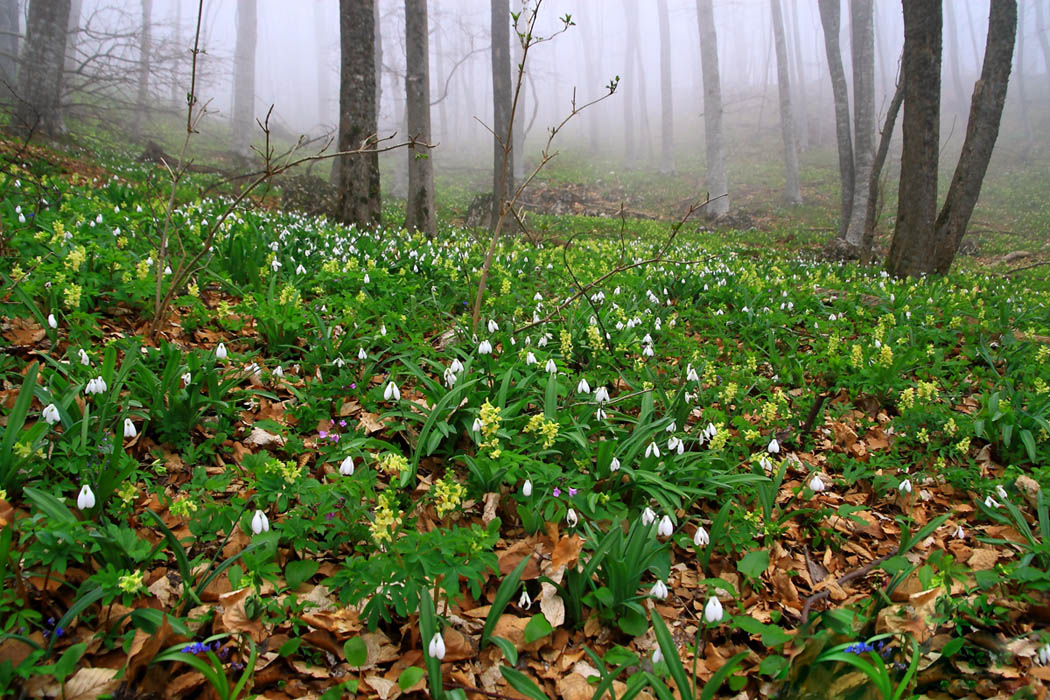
pixel 830 17
pixel 9 31
pixel 244 78
pixel 924 241
pixel 40 71
pixel 714 138
pixel 145 51
pixel 792 190
pixel 419 207
pixel 358 174
pixel 502 101
pixel 666 96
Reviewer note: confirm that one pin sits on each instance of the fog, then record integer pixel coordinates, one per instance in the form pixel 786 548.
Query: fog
pixel 297 69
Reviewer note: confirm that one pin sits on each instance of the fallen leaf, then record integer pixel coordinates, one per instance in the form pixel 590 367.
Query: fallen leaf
pixel 89 683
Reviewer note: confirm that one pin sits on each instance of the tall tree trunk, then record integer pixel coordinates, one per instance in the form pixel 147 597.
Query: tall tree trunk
pixel 862 46
pixel 502 107
pixel 867 247
pixel 1022 91
pixel 176 74
pixel 145 50
pixel 320 26
pixel 41 69
pixel 982 130
pixel 792 191
pixel 917 195
pixel 951 28
pixel 442 132
pixel 419 207
pixel 10 28
pixel 519 122
pixel 359 197
pixel 714 137
pixel 73 35
pixel 1043 32
pixel 591 48
pixel 830 20
pixel 244 78
pixel 883 58
pixel 630 93
pixel 644 132
pixel 802 114
pixel 666 96
pixel 376 14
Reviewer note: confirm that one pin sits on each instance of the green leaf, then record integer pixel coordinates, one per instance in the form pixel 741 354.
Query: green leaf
pixel 522 683
pixel 712 686
pixel 1029 443
pixel 293 644
pixel 409 677
pixel 632 622
pixel 504 593
pixel 773 665
pixel 53 508
pixel 508 649
pixel 953 646
pixel 356 652
pixel 298 572
pixel 68 661
pixel 537 628
pixel 754 563
pixel 671 657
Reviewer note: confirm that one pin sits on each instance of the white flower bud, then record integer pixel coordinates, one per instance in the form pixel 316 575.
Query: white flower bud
pixel 659 590
pixel 665 528
pixel 220 352
pixel 52 321
pixel 50 414
pixel 571 518
pixel 701 538
pixel 260 523
pixel 614 465
pixel 436 649
pixel 86 499
pixel 526 488
pixel 129 429
pixel 816 484
pixel 392 393
pixel 346 467
pixel 713 611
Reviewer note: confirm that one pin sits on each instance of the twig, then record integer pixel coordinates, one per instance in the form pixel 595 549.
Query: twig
pixel 845 578
pixel 1025 267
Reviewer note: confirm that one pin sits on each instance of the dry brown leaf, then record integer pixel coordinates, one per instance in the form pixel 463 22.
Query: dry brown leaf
pixel 983 559
pixel 385 689
pixel 566 552
pixel 260 438
pixel 491 507
pixel 89 683
pixel 370 422
pixel 574 687
pixel 551 605
pixel 235 617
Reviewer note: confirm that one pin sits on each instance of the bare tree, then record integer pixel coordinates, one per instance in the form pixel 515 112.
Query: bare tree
pixel 419 207
pixel 802 113
pixel 518 147
pixel 244 78
pixel 40 71
pixel 792 190
pixel 863 49
pixel 630 157
pixel 714 138
pixel 502 110
pixel 10 29
pixel 1043 32
pixel 666 97
pixel 358 184
pixel 830 19
pixel 145 49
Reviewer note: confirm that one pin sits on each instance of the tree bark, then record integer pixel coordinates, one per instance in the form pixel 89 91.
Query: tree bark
pixel 830 19
pixel 1022 90
pixel 502 105
pixel 982 130
pixel 863 51
pixel 379 59
pixel 951 28
pixel 359 197
pixel 917 195
pixel 145 51
pixel 666 96
pixel 519 123
pixel 10 28
pixel 876 171
pixel 244 78
pixel 714 138
pixel 1041 31
pixel 802 115
pixel 40 72
pixel 630 93
pixel 792 191
pixel 419 207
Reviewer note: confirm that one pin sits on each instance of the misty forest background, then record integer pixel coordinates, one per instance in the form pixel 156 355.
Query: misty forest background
pixel 669 349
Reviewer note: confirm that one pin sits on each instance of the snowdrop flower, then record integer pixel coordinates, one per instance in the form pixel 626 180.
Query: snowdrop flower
pixel 95 386
pixel 476 427
pixel 571 518
pixel 816 484
pixel 583 387
pixel 658 656
pixel 391 393
pixel 129 429
pixel 50 414
pixel 991 502
pixel 485 348
pixel 260 523
pixel 710 431
pixel 1001 491
pixel 773 447
pixel 701 538
pixel 367 278
pixel 339 362
pixel 537 297
pixel 450 377
pixel 187 377
pixel 550 367
pixel 648 516
pixel 675 445
pixel 1044 655
pixel 659 590
pixel 600 413
pixel 52 321
pixel 601 394
pixel 671 427
pixel 665 528
pixel 652 449
pixel 346 467
pixel 959 533
pixel 493 326
pixel 436 649
pixel 86 498
pixel 905 486
pixel 167 268
pixel 524 602
pixel 382 330
pixel 713 611
pixel 299 269
pixel 361 354
pixel 766 464
pixel 614 465
pixel 220 352
pixel 84 359
pixel 278 372
pixel 530 359
pixel 526 488
pixel 647 350
pixel 691 375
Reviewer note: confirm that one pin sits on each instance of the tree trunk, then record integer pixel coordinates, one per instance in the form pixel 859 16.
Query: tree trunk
pixel 419 207
pixel 591 59
pixel 359 199
pixel 802 115
pixel 145 50
pixel 1043 32
pixel 830 18
pixel 666 96
pixel 519 123
pixel 244 78
pixel 714 138
pixel 876 171
pixel 951 28
pixel 792 191
pixel 40 72
pixel 917 195
pixel 320 25
pixel 73 35
pixel 863 50
pixel 502 106
pixel 1022 90
pixel 379 60
pixel 982 129
pixel 176 74
pixel 10 28
pixel 630 93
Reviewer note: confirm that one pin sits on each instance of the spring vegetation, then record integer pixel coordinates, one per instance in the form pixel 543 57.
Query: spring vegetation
pixel 253 451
